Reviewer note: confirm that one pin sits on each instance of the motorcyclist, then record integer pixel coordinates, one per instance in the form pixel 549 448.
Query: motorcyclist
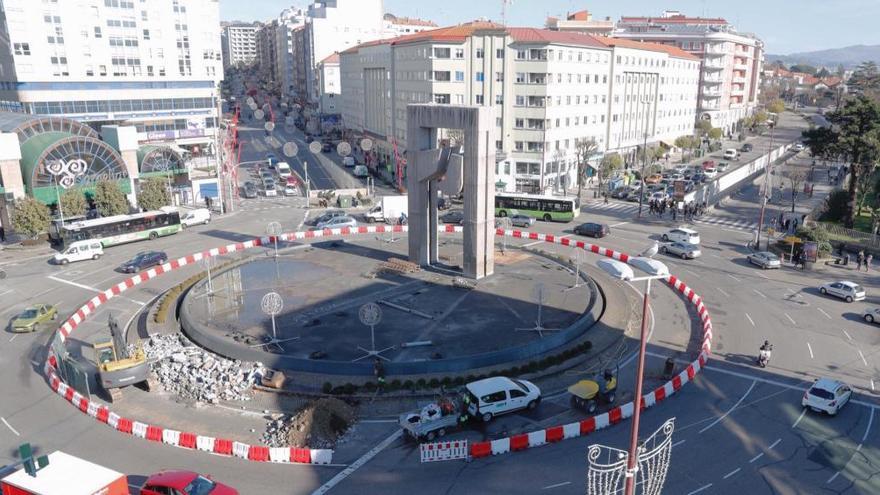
pixel 764 354
pixel 767 346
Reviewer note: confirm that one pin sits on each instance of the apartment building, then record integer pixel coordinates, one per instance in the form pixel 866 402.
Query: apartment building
pixel 238 43
pixel 330 85
pixel 731 62
pixel 401 26
pixel 581 22
pixel 266 51
pixel 154 65
pixel 550 88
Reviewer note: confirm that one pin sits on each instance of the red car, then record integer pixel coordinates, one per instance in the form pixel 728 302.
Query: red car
pixel 184 483
pixel 708 164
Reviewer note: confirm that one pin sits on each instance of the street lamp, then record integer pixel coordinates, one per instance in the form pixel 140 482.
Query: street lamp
pixel 647 102
pixel 623 271
pixel 767 190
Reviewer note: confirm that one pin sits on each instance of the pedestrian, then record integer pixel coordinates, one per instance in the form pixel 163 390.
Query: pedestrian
pixel 605 197
pixel 860 258
pixel 379 373
pixel 674 213
pixel 2 234
pixel 868 259
pixel 794 225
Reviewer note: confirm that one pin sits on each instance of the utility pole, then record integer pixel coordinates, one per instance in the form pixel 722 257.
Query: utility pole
pixel 767 190
pixel 647 103
pixel 221 183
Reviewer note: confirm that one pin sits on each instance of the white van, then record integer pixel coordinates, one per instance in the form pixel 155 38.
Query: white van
pixel 361 171
pixel 498 395
pixel 195 217
pixel 283 170
pixel 348 161
pixel 682 234
pixel 79 251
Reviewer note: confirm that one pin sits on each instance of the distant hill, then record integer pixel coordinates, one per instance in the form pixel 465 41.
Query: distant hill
pixel 849 56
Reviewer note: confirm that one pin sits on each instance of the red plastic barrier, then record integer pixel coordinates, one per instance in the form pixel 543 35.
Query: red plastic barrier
pixel 519 442
pixel 691 372
pixel 84 405
pixel 660 394
pixel 103 414
pixel 676 382
pixel 68 395
pixel 302 456
pixel 481 449
pixel 222 446
pixel 258 453
pixel 187 440
pixel 588 426
pixel 154 433
pixel 124 425
pixel 554 434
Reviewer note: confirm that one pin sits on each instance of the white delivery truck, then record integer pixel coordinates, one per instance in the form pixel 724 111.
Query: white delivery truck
pixel 283 170
pixel 68 475
pixel 388 209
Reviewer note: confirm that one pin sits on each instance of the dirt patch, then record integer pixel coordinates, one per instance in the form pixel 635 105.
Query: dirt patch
pixel 318 425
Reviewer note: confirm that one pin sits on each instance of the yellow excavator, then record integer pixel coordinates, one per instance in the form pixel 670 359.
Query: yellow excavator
pixel 120 366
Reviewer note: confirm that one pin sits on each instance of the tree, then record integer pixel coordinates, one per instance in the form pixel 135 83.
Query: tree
pixel 715 133
pixel 31 217
pixel 865 78
pixel 703 127
pixel 823 72
pixel 584 148
pixel 73 203
pixel 109 199
pixel 806 69
pixel 607 166
pixel 154 194
pixel 776 106
pixel 685 143
pixel 796 179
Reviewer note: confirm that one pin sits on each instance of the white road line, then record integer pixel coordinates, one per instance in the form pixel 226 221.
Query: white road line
pixel 863 357
pixel 811 350
pixel 756 291
pixel 722 291
pixel 10 427
pixel 774 444
pixel 868 429
pixel 761 274
pixel 756 457
pixel 847 335
pixel 790 319
pixel 824 313
pixel 619 224
pixel 803 411
pixel 719 419
pixel 731 276
pixel 872 384
pixel 75 284
pixel 728 475
pixel 698 490
pixel 13 337
pixel 557 485
pixel 7 291
pixel 679 442
pixel 750 319
pixel 345 473
pixel 833 477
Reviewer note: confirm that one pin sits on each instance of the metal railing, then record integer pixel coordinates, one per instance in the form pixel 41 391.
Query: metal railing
pixel 843 234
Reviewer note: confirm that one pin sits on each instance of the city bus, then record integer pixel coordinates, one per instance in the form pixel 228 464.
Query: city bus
pixel 547 208
pixel 118 229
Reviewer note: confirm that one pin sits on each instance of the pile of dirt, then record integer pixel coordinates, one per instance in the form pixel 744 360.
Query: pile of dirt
pixel 318 425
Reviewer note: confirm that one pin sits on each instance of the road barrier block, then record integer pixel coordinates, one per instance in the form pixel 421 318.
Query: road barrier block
pixel 519 442
pixel 171 437
pixel 222 446
pixel 154 433
pixel 299 455
pixel 571 430
pixel 139 429
pixel 321 456
pixel 555 433
pixel 206 444
pixel 481 449
pixel 258 453
pixel 588 426
pixel 280 454
pixel 124 425
pixel 501 446
pixel 188 440
pixel 537 438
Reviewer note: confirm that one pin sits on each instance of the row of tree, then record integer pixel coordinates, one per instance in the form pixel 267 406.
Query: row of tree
pixel 32 218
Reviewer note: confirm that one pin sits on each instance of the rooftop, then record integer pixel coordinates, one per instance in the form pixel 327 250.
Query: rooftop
pixel 408 21
pixel 332 59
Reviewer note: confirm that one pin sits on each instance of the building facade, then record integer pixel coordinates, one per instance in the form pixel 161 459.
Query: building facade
pixel 239 43
pixel 155 66
pixel 550 89
pixel 401 26
pixel 330 85
pixel 732 62
pixel 581 22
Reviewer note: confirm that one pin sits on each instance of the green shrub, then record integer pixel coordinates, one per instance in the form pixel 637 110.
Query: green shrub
pixel 394 385
pixel 446 381
pixel 369 387
pixel 458 381
pixel 420 383
pixel 408 384
pixel 434 383
pixel 327 387
pixel 835 206
pixel 349 388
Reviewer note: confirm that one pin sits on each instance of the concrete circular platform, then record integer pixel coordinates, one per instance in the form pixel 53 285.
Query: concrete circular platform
pixel 323 285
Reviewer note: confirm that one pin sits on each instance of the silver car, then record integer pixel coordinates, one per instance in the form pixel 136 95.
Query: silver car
pixel 871 315
pixel 764 259
pixel 522 221
pixel 681 249
pixel 338 223
pixel 848 291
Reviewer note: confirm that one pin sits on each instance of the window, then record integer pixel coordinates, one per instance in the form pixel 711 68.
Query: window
pixel 515 394
pixel 146 34
pixel 499 77
pixel 479 77
pixel 499 53
pixel 459 76
pixel 519 123
pixel 441 52
pixel 97 31
pixel 459 53
pixel 499 99
pixel 520 100
pixel 479 99
pixel 520 77
pixel 479 53
pixel 442 99
pixel 22 48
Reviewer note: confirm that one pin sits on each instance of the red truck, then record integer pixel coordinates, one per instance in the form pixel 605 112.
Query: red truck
pixel 66 475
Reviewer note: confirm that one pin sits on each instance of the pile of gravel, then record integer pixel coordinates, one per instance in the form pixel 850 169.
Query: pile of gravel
pixel 319 425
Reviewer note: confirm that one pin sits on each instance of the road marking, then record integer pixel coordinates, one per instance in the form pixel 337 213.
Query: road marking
pixel 872 384
pixel 756 291
pixel 557 485
pixel 10 427
pixel 863 357
pixel 790 319
pixel 679 442
pixel 698 490
pixel 868 429
pixel 722 291
pixel 13 337
pixel 619 224
pixel 833 477
pixel 803 411
pixel 750 319
pixel 718 420
pixel 728 475
pixel 731 276
pixel 847 335
pixel 756 457
pixel 345 473
pixel 7 291
pixel 774 444
pixel 811 350
pixel 75 284
pixel 824 313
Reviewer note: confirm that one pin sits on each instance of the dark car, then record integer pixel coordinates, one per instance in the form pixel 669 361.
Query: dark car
pixel 454 216
pixel 620 193
pixel 143 261
pixel 250 190
pixel 184 483
pixel 326 147
pixel 747 147
pixel 592 229
pixel 443 203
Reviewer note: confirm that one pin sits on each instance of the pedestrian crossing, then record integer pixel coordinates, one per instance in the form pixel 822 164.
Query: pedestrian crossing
pixel 619 208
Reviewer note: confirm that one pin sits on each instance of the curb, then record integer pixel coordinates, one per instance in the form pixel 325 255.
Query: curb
pixel 262 453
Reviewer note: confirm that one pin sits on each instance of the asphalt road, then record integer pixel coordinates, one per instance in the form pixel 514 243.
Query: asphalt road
pixel 739 429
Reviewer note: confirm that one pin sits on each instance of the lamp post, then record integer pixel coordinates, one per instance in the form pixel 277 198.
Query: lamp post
pixel 58 199
pixel 647 102
pixel 623 271
pixel 767 191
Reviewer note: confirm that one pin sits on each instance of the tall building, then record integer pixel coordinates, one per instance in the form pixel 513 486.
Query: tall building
pixel 550 89
pixel 266 52
pixel 330 85
pixel 581 22
pixel 288 64
pixel 239 43
pixel 731 61
pixel 400 26
pixel 153 65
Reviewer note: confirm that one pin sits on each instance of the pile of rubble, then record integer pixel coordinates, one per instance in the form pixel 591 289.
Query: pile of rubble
pixel 196 375
pixel 319 425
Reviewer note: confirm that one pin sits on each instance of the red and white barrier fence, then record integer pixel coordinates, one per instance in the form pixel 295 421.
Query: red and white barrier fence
pixel 261 453
pixel 444 451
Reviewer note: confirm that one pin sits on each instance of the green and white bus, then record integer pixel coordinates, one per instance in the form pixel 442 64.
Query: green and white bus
pixel 118 229
pixel 547 208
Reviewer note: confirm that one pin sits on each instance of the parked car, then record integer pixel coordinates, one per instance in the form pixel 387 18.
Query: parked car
pixel 658 196
pixel 682 234
pixel 250 190
pixel 722 166
pixel 708 163
pixel 79 251
pixel 453 216
pixel 184 483
pixel 764 259
pixel 338 223
pixel 290 190
pixel 620 193
pixel 195 217
pixel 327 215
pixel 591 229
pixel 326 147
pixel 681 249
pixel 522 221
pixel 143 261
pixel 848 291
pixel 827 395
pixel 871 315
pixel 747 147
pixel 798 147
pixel 731 154
pixel 653 179
pixel 269 188
pixel 348 161
pixel 266 175
pixel 34 316
pixel 272 159
pixel 499 395
pixel 710 172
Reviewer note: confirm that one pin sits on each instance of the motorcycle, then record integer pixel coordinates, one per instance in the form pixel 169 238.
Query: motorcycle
pixel 763 357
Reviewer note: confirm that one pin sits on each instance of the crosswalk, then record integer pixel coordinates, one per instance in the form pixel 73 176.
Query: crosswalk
pixel 624 209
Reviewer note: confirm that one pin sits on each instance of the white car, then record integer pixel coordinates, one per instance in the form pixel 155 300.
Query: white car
pixel 731 154
pixel 871 315
pixel 291 190
pixel 498 395
pixel 199 216
pixel 338 223
pixel 827 395
pixel 80 250
pixel 710 172
pixel 682 234
pixel 848 291
pixel 798 147
pixel 764 259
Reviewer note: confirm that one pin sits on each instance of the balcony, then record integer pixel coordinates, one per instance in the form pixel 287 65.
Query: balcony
pixel 712 80
pixel 737 90
pixel 712 94
pixel 537 78
pixel 740 66
pixel 713 66
pixel 709 105
pixel 739 79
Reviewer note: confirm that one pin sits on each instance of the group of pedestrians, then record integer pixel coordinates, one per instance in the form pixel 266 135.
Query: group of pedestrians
pixel 689 210
pixel 861 259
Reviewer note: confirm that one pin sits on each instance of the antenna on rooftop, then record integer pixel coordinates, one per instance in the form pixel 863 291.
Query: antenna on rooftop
pixel 504 4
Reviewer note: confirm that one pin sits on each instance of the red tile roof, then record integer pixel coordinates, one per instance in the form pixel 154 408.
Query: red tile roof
pixel 582 15
pixel 831 81
pixel 535 35
pixel 332 59
pixel 672 51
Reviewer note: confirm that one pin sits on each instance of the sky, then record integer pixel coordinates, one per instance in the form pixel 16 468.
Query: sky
pixel 786 26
